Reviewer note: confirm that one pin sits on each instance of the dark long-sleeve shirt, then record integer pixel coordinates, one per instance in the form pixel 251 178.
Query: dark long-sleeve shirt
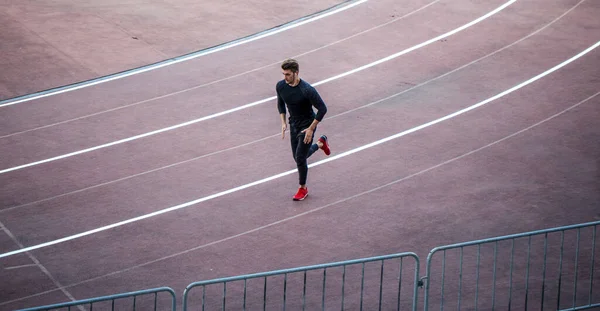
pixel 299 100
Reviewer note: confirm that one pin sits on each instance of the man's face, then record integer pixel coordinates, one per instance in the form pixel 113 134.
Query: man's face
pixel 289 76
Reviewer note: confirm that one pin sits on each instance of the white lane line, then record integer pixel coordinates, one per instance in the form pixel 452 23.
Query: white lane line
pixel 38 264
pixel 192 56
pixel 310 211
pixel 338 156
pixel 385 59
pixel 223 79
pixel 328 118
pixel 19 267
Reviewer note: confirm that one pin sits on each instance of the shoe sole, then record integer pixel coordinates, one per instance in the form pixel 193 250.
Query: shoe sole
pixel 300 199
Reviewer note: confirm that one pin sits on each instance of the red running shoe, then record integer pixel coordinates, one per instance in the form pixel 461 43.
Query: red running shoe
pixel 323 139
pixel 301 194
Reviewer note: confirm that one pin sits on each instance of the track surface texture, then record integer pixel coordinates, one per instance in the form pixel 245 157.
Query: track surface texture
pixel 161 178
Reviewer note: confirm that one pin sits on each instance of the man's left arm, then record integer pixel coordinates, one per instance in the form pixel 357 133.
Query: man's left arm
pixel 317 102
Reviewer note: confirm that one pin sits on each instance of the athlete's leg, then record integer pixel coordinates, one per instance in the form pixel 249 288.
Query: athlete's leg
pixel 294 141
pixel 312 149
pixel 302 153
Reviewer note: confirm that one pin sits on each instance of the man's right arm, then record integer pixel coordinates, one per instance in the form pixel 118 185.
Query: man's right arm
pixel 282 112
pixel 283 125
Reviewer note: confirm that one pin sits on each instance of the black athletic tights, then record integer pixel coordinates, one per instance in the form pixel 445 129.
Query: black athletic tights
pixel 301 152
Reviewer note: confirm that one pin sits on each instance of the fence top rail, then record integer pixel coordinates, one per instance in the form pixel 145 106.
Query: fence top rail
pixel 107 298
pixel 513 236
pixel 299 269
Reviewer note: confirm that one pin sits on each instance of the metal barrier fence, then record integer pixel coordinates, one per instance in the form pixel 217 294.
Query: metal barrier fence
pixel 141 300
pixel 545 269
pixel 363 284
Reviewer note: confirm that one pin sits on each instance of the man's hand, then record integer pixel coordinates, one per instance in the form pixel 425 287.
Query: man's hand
pixel 308 133
pixel 283 128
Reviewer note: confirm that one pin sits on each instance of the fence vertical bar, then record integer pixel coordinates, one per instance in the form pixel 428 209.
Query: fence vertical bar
pixel 323 293
pixel 362 285
pixel 400 283
pixel 443 278
pixel 224 296
pixel 477 276
pixel 203 298
pixel 560 265
pixel 494 278
pixel 416 285
pixel 304 293
pixel 134 297
pixel 544 269
pixel 343 285
pixel 527 273
pixel 576 268
pixel 265 295
pixel 284 289
pixel 155 301
pixel 381 285
pixel 245 294
pixel 460 275
pixel 592 265
pixel 510 277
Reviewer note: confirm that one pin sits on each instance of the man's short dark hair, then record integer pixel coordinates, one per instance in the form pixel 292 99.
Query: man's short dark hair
pixel 290 64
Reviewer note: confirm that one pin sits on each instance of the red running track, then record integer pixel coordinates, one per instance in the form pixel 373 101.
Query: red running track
pixel 525 161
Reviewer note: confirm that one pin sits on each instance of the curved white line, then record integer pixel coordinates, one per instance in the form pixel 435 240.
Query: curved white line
pixel 222 79
pixel 385 59
pixel 329 118
pixel 307 212
pixel 338 156
pixel 195 55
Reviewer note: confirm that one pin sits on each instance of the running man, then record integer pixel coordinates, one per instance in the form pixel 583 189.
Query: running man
pixel 300 97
